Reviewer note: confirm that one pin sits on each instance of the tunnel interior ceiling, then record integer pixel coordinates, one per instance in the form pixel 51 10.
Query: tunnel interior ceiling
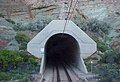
pixel 63 48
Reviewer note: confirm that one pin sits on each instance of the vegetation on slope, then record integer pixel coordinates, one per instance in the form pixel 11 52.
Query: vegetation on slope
pixel 17 65
pixel 35 25
pixel 108 66
pixel 22 39
pixel 13 62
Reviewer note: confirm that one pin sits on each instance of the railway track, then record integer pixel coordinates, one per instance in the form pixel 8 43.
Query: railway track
pixel 67 73
pixel 60 72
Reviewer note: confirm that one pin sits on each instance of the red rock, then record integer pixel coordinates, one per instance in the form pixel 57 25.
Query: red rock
pixel 3 43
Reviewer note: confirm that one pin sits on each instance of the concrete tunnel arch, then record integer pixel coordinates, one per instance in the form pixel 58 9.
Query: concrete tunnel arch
pixel 54 29
pixel 63 48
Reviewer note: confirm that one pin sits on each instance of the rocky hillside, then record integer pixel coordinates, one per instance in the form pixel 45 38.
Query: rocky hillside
pixel 7 35
pixel 21 20
pixel 90 8
pixel 22 11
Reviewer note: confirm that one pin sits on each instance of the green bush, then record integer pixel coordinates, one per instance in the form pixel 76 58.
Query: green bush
pixel 5 76
pixel 9 59
pixel 93 25
pixel 32 60
pixel 98 26
pixel 21 37
pixel 13 62
pixel 109 72
pixel 19 27
pixel 110 56
pixel 101 45
pixel 18 76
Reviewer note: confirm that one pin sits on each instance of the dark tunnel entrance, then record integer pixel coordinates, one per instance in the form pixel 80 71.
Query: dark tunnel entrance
pixel 62 48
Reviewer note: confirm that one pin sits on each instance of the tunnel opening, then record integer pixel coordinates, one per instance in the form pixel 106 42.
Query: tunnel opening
pixel 62 48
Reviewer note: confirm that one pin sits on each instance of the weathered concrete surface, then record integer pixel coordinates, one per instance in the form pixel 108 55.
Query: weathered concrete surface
pixel 87 45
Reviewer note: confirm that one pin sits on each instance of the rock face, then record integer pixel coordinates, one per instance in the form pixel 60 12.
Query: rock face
pixel 13 45
pixel 7 38
pixel 90 8
pixel 3 43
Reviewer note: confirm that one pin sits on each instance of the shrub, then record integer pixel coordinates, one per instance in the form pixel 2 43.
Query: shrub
pixel 18 76
pixel 93 25
pixel 21 37
pixel 13 63
pixel 10 21
pixel 39 24
pixel 101 45
pixel 35 25
pixel 9 59
pixel 79 22
pixel 32 60
pixel 117 13
pixel 98 26
pixel 110 56
pixel 1 15
pixel 5 76
pixel 109 73
pixel 19 27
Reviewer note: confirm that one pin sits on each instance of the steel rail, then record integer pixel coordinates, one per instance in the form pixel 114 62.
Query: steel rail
pixel 67 74
pixel 58 75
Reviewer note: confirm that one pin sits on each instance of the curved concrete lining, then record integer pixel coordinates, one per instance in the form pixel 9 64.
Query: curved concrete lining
pixel 57 26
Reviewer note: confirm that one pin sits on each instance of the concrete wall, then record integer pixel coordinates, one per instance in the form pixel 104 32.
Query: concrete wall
pixel 86 44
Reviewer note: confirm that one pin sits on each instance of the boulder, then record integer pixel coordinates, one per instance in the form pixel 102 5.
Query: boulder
pixel 3 22
pixel 13 45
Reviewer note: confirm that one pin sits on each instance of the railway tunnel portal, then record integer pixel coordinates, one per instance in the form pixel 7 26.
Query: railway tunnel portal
pixel 52 45
pixel 61 48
